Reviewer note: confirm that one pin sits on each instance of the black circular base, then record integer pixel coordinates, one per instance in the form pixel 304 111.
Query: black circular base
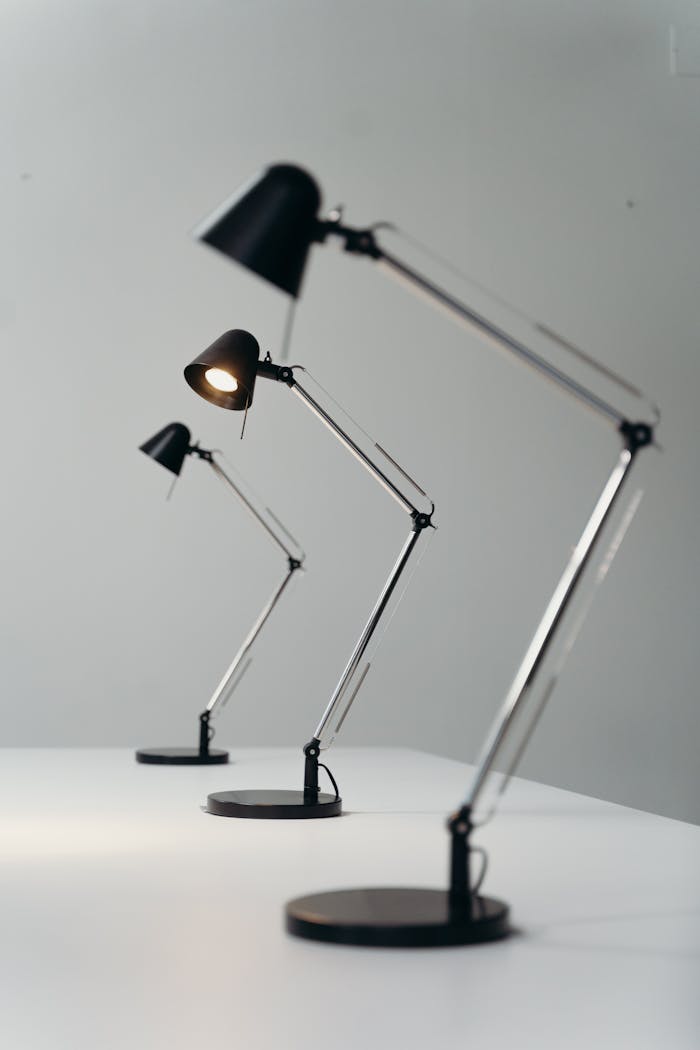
pixel 180 756
pixel 272 805
pixel 395 917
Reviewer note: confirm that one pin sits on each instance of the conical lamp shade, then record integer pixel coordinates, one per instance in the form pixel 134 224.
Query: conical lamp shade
pixel 169 446
pixel 268 225
pixel 225 372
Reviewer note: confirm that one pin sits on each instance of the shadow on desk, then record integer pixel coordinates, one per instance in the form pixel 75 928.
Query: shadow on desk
pixel 684 922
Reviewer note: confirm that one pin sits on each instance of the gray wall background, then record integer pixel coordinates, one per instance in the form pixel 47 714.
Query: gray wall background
pixel 510 136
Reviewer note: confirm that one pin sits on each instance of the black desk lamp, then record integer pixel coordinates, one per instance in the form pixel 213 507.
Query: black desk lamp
pixel 225 375
pixel 170 447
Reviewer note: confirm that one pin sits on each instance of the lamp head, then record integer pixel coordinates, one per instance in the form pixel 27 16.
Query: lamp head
pixel 169 446
pixel 268 225
pixel 225 372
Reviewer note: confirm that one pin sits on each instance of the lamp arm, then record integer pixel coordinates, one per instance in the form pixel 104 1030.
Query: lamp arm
pixel 224 477
pixel 339 695
pixel 420 522
pixel 294 562
pixel 546 630
pixel 363 242
pixel 345 439
pixel 500 337
pixel 460 824
pixel 635 435
pixel 227 684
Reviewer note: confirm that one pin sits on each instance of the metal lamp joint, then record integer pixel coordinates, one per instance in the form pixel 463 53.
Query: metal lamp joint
pixel 636 435
pixel 359 242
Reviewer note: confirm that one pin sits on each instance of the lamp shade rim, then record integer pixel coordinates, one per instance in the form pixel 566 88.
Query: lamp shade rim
pixel 237 353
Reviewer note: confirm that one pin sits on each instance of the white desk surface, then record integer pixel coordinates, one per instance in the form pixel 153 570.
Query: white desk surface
pixel 131 919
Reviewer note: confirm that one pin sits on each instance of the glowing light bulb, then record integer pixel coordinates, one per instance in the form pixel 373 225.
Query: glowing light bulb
pixel 220 380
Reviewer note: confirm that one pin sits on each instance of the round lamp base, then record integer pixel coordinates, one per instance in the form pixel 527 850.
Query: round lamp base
pixel 272 805
pixel 180 756
pixel 395 917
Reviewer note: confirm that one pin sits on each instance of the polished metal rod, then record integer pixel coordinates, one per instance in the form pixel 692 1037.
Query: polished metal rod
pixel 221 692
pixel 223 476
pixel 366 636
pixel 352 447
pixel 380 606
pixel 416 281
pixel 520 690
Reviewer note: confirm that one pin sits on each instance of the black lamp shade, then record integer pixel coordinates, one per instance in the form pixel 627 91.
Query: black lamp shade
pixel 268 225
pixel 233 355
pixel 169 446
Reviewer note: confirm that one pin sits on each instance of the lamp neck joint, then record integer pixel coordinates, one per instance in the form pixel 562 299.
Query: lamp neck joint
pixel 460 826
pixel 205 734
pixel 357 241
pixel 201 453
pixel 267 369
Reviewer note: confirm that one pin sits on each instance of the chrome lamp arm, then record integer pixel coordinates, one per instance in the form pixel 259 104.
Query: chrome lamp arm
pixel 363 242
pixel 343 695
pixel 461 823
pixel 417 917
pixel 241 661
pixel 295 560
pixel 635 436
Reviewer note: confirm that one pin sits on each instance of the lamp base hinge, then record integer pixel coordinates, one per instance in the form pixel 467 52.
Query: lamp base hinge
pixel 460 892
pixel 205 734
pixel 311 753
pixel 311 767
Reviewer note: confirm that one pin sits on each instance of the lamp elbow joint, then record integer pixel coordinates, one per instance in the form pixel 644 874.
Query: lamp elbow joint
pixel 422 520
pixel 636 435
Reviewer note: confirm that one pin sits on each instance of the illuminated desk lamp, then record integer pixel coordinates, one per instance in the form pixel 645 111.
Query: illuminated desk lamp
pixel 170 447
pixel 225 375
